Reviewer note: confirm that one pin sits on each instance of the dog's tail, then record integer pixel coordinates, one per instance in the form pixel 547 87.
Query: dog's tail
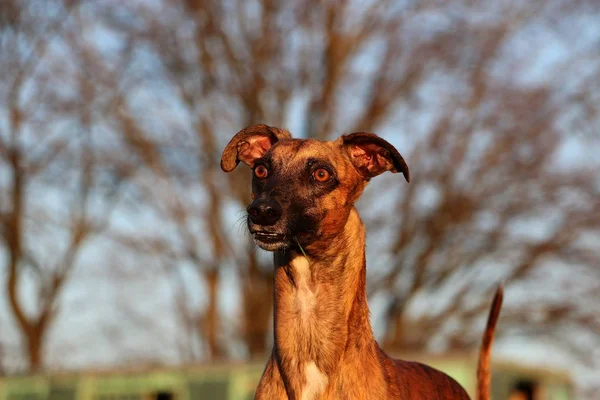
pixel 483 369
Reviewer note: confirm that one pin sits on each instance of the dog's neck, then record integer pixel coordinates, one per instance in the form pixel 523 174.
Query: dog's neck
pixel 321 310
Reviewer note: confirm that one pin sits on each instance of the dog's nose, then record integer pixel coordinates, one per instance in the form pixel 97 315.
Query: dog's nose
pixel 264 212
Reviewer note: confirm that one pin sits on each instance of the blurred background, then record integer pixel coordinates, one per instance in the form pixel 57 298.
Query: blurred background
pixel 123 245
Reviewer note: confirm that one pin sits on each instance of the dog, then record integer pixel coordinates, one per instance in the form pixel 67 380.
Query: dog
pixel 302 210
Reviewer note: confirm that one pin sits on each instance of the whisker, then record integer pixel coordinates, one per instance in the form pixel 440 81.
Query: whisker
pixel 240 224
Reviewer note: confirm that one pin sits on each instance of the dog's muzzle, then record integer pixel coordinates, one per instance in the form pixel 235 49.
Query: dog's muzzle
pixel 263 215
pixel 264 212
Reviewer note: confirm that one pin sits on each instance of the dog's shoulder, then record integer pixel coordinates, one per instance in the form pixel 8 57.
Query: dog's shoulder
pixel 413 380
pixel 425 382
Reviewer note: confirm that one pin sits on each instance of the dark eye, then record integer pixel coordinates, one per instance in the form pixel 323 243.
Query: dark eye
pixel 261 172
pixel 321 175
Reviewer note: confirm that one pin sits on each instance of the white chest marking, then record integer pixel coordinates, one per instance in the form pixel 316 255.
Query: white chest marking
pixel 316 381
pixel 305 297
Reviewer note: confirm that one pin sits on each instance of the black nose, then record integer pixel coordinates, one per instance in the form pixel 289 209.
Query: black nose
pixel 264 212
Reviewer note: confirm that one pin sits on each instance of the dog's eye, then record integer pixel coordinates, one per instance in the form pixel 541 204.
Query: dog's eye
pixel 261 172
pixel 321 175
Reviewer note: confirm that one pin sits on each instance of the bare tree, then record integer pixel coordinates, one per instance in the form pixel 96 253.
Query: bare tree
pixel 51 171
pixel 483 141
pixel 497 127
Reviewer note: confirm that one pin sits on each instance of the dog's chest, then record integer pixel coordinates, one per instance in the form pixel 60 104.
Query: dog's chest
pixel 306 316
pixel 315 382
pixel 303 299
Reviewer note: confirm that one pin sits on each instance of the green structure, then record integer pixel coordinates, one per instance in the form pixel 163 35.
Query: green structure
pixel 237 382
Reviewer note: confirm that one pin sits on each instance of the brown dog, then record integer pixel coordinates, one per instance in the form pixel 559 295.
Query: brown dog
pixel 303 210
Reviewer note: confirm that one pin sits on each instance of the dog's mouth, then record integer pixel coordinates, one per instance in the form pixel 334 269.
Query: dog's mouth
pixel 270 241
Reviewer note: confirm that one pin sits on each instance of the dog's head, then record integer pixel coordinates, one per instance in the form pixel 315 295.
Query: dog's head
pixel 302 189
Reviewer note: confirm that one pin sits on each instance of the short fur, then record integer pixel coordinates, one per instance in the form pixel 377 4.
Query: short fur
pixel 324 346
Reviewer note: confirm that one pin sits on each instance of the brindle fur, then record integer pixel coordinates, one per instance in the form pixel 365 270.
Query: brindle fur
pixel 324 346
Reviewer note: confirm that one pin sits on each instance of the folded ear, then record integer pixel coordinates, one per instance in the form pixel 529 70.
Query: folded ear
pixel 250 144
pixel 371 155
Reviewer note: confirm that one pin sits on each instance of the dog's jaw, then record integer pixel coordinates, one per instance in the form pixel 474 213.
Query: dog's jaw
pixel 270 242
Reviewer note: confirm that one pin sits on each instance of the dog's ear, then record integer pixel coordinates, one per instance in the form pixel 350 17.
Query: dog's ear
pixel 371 155
pixel 250 144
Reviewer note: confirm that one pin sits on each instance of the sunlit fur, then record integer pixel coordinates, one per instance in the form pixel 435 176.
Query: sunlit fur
pixel 324 346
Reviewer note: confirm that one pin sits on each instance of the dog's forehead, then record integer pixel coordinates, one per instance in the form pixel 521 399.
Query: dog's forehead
pixel 297 150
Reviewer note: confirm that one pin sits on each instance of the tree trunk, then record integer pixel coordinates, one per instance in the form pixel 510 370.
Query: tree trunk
pixel 258 308
pixel 212 314
pixel 35 341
